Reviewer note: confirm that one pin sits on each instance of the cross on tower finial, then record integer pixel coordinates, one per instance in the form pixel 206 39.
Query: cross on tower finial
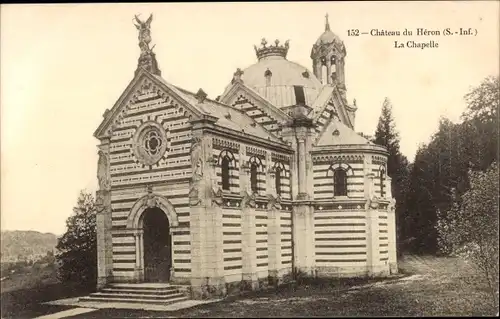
pixel 327 24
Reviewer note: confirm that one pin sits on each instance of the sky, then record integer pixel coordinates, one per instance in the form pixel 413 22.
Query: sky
pixel 62 65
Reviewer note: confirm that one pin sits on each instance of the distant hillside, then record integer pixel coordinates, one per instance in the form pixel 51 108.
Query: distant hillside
pixel 19 245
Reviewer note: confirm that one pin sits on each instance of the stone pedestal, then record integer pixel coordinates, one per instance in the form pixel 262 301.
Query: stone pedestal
pixel 372 242
pixel 303 238
pixel 104 240
pixel 274 245
pixel 207 261
pixel 391 234
pixel 249 249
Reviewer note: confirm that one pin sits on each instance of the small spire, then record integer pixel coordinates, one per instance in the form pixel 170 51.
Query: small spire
pixel 237 76
pixel 327 24
pixel 201 96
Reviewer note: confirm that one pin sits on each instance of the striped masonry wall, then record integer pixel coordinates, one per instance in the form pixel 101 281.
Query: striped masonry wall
pixel 325 117
pixel 286 239
pixel 234 167
pixel 251 154
pixel 169 177
pixel 340 238
pixel 261 242
pixel 245 104
pixel 383 236
pixel 323 181
pixel 232 244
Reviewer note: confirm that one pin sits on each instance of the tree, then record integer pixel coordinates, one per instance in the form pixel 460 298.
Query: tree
pixel 77 248
pixel 397 164
pixel 483 101
pixel 470 228
pixel 439 174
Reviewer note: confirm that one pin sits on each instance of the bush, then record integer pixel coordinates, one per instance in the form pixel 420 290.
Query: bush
pixel 470 228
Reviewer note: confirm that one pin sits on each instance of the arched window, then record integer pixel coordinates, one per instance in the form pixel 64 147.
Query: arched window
pixel 277 181
pixel 253 177
pixel 339 182
pixel 225 172
pixel 382 180
pixel 225 160
pixel 254 163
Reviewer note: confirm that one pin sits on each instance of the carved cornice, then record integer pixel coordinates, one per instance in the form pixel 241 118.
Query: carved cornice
pixel 258 152
pixel 332 159
pixel 379 160
pixel 349 148
pixel 276 157
pixel 239 137
pixel 222 143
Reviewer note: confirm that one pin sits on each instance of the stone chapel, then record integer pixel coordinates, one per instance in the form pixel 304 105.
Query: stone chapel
pixel 268 179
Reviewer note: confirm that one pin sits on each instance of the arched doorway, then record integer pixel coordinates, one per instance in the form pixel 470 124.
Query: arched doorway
pixel 157 246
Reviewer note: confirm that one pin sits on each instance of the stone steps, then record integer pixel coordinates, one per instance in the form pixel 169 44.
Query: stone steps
pixel 135 301
pixel 162 294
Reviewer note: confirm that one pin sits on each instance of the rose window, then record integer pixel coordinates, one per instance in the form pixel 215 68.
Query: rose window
pixel 150 143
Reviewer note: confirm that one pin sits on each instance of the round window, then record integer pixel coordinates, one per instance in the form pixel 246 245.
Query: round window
pixel 150 143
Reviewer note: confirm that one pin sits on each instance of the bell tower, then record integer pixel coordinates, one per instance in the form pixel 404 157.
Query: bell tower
pixel 328 55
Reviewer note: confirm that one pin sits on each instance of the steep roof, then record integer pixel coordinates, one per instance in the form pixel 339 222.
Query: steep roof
pixel 225 116
pixel 345 135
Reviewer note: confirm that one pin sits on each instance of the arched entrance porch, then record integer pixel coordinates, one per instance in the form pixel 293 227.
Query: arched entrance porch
pixel 157 245
pixel 152 219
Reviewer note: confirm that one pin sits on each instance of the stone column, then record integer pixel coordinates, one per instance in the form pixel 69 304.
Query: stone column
pixel 270 175
pixel 274 245
pixel 391 234
pixel 372 227
pixel 249 248
pixel 248 232
pixel 207 263
pixel 104 240
pixel 139 257
pixel 103 218
pixel 303 222
pixel 302 168
pixel 388 187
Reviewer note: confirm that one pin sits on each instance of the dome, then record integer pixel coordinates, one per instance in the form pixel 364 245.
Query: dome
pixel 275 78
pixel 329 37
pixel 283 75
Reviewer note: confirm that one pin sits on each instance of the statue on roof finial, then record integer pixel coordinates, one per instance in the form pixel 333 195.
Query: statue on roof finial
pixel 327 24
pixel 147 59
pixel 144 29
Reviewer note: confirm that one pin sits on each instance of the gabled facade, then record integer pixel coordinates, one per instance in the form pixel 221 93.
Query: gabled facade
pixel 269 179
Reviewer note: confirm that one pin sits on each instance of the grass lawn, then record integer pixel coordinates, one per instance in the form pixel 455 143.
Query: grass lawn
pixel 432 286
pixel 23 293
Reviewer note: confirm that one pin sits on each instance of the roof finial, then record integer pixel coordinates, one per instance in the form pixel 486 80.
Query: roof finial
pixel 147 59
pixel 327 24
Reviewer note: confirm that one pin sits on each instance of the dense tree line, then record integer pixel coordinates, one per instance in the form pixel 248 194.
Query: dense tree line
pixel 439 174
